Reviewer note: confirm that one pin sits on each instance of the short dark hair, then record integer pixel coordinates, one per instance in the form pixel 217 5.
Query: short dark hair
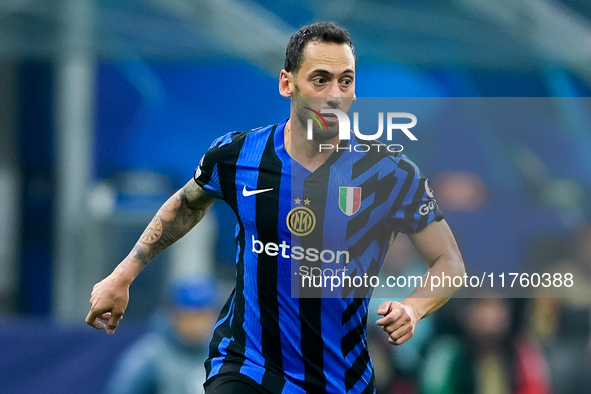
pixel 319 31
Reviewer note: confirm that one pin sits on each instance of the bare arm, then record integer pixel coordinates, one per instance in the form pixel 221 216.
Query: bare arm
pixel 179 214
pixel 436 244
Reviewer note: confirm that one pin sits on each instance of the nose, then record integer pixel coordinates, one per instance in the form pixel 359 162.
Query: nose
pixel 333 97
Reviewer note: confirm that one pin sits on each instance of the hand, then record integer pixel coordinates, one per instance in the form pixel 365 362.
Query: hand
pixel 108 302
pixel 399 321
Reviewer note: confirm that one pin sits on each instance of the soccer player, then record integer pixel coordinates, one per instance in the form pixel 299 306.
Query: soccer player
pixel 297 204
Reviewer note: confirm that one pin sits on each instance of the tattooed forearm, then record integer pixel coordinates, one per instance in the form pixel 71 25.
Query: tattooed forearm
pixel 173 220
pixel 153 232
pixel 163 231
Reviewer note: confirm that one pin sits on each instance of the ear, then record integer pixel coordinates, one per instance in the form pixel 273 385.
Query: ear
pixel 286 86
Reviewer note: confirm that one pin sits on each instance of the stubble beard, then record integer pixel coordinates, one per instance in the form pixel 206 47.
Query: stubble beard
pixel 319 134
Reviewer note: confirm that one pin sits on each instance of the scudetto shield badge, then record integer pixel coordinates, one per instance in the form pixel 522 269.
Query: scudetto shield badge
pixel 349 199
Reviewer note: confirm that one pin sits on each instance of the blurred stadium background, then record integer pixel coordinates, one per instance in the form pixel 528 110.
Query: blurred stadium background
pixel 107 106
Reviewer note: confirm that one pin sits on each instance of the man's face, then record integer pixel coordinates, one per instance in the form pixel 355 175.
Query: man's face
pixel 325 79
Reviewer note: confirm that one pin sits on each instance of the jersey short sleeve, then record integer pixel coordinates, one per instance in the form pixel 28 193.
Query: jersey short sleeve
pixel 207 174
pixel 415 206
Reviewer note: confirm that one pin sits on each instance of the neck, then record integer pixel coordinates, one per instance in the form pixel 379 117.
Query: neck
pixel 306 152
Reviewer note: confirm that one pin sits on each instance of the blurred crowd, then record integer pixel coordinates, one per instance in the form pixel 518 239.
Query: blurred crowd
pixel 169 358
pixel 495 345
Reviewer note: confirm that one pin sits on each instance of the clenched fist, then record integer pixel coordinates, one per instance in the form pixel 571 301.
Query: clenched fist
pixel 399 321
pixel 108 302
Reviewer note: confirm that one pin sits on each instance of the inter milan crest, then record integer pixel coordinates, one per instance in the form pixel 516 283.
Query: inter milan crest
pixel 301 220
pixel 349 199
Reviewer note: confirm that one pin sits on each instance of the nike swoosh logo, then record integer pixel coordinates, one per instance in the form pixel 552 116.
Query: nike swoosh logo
pixel 247 193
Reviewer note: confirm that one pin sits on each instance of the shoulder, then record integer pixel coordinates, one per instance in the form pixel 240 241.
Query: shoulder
pixel 231 144
pixel 236 138
pixel 377 151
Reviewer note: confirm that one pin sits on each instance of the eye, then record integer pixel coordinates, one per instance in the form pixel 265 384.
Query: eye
pixel 319 81
pixel 347 82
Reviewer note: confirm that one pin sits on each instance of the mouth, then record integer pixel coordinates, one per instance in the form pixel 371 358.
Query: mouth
pixel 329 118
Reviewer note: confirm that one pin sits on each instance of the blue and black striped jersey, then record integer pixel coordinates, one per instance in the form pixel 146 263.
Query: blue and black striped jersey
pixel 342 215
